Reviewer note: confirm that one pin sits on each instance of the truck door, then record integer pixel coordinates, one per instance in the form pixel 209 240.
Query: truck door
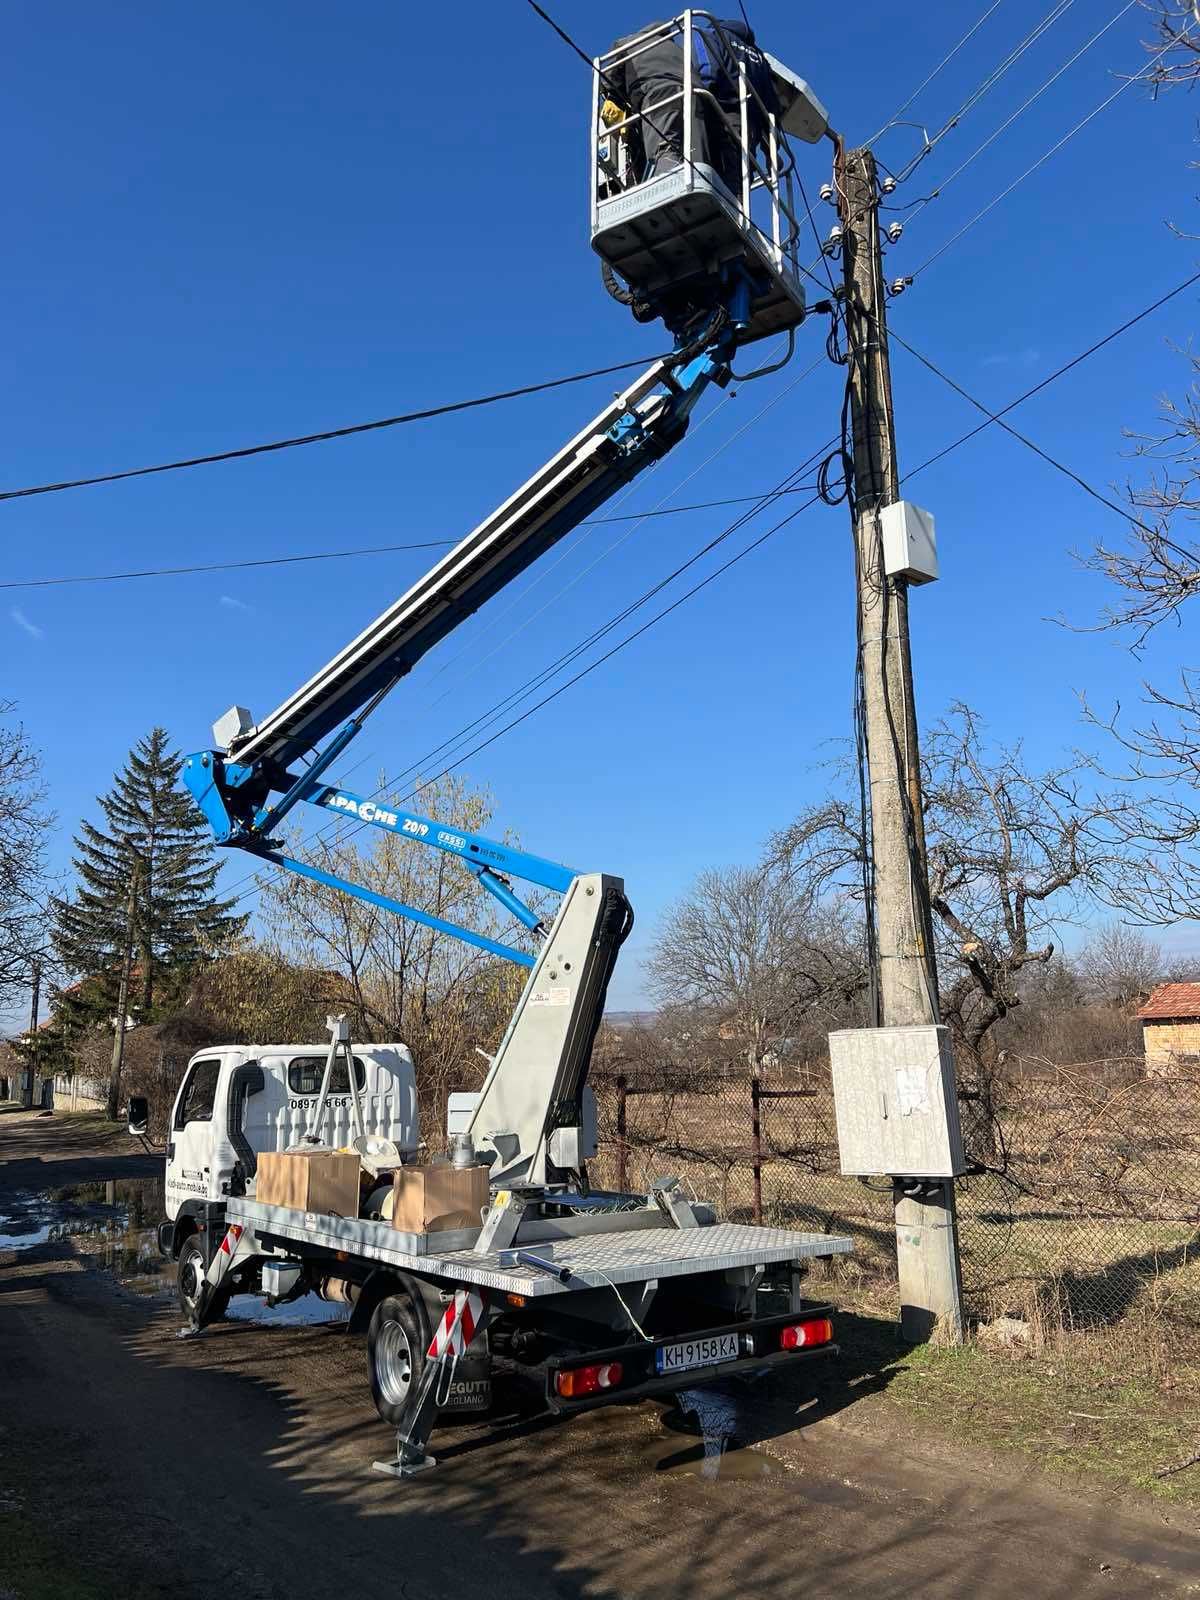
pixel 189 1168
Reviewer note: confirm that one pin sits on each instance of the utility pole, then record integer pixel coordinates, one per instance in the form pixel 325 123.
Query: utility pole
pixel 29 1075
pixel 118 1055
pixel 906 975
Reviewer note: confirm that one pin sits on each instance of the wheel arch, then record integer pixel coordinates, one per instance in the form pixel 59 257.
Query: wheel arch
pixel 385 1281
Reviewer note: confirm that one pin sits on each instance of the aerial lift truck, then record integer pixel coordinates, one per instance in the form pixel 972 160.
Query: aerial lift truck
pixel 603 1296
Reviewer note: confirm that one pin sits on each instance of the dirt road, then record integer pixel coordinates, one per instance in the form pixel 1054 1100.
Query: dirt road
pixel 137 1464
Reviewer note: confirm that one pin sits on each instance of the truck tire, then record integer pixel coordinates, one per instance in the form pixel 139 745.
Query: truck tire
pixel 188 1280
pixel 396 1346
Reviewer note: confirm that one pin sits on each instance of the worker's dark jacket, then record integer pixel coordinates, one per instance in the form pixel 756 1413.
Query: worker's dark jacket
pixel 652 82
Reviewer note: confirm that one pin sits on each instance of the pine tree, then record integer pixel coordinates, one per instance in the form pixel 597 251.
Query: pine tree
pixel 144 897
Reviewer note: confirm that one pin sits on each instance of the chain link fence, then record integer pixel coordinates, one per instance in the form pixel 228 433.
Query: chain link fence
pixel 1086 1192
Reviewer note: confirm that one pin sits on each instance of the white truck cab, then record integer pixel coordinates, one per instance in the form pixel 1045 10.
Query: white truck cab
pixel 237 1101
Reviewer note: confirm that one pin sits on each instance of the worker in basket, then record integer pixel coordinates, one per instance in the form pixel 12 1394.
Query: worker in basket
pixel 649 81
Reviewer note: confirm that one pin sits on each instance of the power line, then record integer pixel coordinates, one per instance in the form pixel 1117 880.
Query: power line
pixel 997 416
pixel 541 678
pixel 1041 160
pixel 988 83
pixel 944 62
pixel 224 566
pixel 354 551
pixel 1022 109
pixel 329 433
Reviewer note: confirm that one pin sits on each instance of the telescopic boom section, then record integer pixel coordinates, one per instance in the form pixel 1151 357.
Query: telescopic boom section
pixel 259 771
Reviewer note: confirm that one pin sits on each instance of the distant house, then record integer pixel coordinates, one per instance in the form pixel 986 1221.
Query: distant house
pixel 1171 1027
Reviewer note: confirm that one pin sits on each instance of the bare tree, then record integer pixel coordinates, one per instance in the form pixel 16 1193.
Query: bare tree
pixel 747 949
pixel 1014 854
pixel 398 978
pixel 1120 964
pixel 1157 568
pixel 23 824
pixel 1177 28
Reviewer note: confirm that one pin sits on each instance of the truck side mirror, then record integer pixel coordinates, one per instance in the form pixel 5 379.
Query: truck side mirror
pixel 139 1116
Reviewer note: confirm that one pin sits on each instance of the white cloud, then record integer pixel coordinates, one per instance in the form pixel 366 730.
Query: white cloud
pixel 232 603
pixel 22 621
pixel 1029 357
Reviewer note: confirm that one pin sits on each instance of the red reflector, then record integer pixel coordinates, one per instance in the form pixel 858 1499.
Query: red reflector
pixel 803 1335
pixel 576 1382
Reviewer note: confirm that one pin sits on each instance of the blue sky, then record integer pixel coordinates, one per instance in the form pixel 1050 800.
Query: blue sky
pixel 228 225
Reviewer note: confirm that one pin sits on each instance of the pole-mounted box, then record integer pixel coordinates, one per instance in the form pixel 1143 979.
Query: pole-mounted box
pixel 909 542
pixel 895 1102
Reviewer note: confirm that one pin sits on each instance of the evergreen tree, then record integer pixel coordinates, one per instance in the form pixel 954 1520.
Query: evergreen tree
pixel 145 884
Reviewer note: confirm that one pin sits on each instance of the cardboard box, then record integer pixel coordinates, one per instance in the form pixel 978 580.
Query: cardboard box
pixel 433 1199
pixel 326 1181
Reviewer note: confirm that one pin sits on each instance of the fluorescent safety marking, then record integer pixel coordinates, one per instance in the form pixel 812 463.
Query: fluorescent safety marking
pixel 457 1327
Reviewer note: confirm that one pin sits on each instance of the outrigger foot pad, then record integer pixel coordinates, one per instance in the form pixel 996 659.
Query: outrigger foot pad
pixel 399 1468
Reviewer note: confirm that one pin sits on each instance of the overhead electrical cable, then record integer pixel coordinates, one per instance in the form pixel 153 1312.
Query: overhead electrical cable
pixel 945 183
pixel 539 679
pixel 760 498
pixel 1137 77
pixel 624 537
pixel 988 83
pixel 990 417
pixel 944 62
pixel 998 416
pixel 400 420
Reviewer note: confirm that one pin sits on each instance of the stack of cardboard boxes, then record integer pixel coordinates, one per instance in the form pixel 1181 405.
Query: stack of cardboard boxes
pixel 426 1199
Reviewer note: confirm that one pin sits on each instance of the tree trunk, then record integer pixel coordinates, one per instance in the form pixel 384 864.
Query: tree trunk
pixel 112 1108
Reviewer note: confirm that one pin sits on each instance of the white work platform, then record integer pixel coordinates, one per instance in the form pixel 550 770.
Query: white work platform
pixel 627 1254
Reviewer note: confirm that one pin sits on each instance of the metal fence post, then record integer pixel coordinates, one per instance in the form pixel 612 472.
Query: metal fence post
pixel 622 1148
pixel 756 1143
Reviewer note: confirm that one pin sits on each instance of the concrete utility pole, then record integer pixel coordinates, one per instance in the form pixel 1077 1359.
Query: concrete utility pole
pixel 118 1056
pixel 29 1073
pixel 926 1221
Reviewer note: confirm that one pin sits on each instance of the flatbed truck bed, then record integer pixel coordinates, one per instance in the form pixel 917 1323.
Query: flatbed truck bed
pixel 604 1306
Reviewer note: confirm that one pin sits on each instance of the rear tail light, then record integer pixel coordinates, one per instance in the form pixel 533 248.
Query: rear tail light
pixel 804 1335
pixel 576 1382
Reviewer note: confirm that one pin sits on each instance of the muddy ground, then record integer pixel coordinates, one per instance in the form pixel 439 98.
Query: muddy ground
pixel 134 1463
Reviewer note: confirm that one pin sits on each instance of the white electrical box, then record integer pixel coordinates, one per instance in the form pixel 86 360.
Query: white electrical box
pixel 909 542
pixel 895 1102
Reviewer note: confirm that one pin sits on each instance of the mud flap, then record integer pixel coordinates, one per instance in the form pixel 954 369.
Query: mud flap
pixel 238 1245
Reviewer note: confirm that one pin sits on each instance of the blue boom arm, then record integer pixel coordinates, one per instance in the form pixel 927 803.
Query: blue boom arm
pixel 247 789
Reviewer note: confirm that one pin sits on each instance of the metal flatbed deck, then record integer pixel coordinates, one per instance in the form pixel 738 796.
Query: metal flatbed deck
pixel 625 1255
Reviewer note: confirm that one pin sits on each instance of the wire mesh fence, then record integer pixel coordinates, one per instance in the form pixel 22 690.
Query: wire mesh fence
pixel 1086 1188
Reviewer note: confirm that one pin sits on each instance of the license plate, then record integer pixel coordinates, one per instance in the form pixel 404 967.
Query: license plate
pixel 701 1352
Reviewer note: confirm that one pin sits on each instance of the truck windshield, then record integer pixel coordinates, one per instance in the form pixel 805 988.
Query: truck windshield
pixel 200 1091
pixel 305 1073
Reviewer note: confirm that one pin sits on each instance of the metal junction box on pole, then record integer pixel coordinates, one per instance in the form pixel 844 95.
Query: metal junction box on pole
pixel 895 1102
pixel 909 542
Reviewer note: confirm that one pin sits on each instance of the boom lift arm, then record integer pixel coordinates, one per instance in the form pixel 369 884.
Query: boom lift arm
pixel 711 248
pixel 533 1118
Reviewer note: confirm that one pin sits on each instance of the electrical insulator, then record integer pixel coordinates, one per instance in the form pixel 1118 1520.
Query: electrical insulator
pixel 894 231
pixel 888 185
pixel 834 242
pixel 826 193
pixel 898 285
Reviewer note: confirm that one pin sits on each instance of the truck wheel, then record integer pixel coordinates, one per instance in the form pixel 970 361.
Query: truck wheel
pixel 190 1277
pixel 396 1345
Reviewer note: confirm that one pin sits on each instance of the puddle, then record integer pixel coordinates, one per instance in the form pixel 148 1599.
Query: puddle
pixel 705 1440
pixel 114 1225
pixel 89 1213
